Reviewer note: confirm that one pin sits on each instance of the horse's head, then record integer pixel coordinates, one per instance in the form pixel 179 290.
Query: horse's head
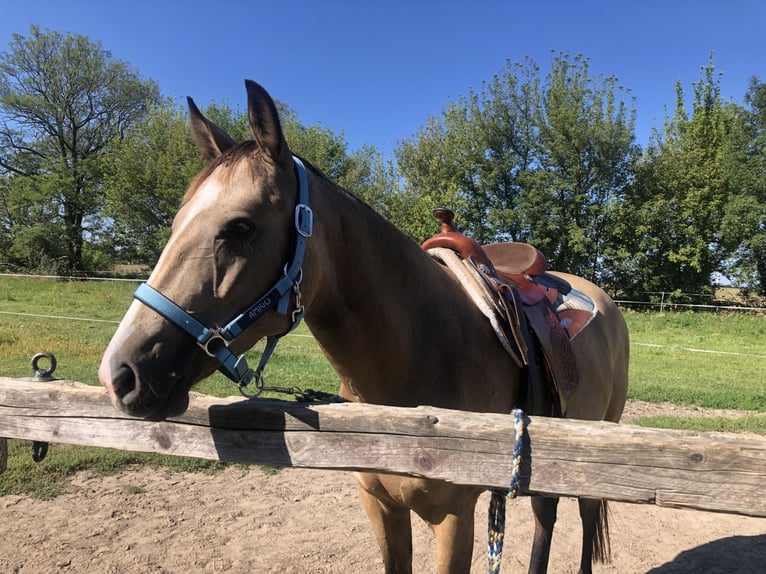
pixel 234 240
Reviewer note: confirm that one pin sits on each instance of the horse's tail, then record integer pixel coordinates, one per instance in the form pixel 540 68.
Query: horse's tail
pixel 602 549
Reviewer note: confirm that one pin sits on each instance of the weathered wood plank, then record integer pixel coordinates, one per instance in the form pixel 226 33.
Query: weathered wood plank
pixel 710 471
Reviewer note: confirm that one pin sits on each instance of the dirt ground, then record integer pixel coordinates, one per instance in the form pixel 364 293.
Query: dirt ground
pixel 310 521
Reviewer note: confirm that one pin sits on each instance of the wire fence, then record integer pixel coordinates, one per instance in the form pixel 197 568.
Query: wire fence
pixel 690 350
pixel 661 306
pixel 671 300
pixel 665 306
pixel 90 320
pixel 71 277
pixel 635 344
pixel 58 317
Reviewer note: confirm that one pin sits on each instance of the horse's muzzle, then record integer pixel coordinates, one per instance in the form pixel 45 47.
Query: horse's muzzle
pixel 151 400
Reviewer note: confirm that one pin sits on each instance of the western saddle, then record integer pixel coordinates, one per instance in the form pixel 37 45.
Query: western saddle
pixel 541 312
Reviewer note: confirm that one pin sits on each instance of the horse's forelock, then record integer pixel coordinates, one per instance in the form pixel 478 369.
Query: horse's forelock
pixel 245 151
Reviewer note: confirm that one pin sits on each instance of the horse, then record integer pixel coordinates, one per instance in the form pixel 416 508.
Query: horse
pixel 263 231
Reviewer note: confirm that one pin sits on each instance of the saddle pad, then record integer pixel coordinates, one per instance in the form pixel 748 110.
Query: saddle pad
pixel 482 296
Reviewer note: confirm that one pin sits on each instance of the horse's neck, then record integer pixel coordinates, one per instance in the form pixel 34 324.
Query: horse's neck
pixel 386 315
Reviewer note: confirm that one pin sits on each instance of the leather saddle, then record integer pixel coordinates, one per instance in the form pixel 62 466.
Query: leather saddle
pixel 542 311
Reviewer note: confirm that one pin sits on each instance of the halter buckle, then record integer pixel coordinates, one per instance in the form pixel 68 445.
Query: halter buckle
pixel 304 220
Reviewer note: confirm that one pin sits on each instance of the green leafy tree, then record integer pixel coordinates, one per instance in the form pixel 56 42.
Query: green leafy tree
pixel 527 160
pixel 674 212
pixel 320 145
pixel 474 158
pixel 431 172
pixel 374 180
pixel 146 175
pixel 501 152
pixel 744 222
pixel 63 99
pixel 586 158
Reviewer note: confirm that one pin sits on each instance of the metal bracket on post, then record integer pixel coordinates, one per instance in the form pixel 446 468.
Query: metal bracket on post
pixel 39 448
pixel 40 373
pixel 3 454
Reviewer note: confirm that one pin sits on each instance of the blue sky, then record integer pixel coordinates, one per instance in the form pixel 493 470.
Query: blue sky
pixel 375 71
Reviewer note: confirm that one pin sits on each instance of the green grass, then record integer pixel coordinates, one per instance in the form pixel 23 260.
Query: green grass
pixel 750 423
pixel 48 479
pixel 657 374
pixel 297 362
pixel 78 345
pixel 732 377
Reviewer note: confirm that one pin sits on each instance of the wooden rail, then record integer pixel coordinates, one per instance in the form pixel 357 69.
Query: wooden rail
pixel 706 471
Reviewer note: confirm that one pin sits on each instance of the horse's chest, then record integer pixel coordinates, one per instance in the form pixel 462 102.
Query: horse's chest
pixel 418 494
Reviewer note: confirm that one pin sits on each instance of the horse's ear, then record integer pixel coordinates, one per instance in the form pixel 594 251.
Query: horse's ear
pixel 212 141
pixel 264 123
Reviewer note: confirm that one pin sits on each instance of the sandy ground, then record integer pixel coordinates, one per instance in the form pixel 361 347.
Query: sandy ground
pixel 309 521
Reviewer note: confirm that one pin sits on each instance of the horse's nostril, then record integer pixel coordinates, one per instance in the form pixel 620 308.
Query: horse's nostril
pixel 124 385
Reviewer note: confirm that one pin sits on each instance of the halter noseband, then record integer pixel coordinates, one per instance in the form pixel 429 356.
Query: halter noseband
pixel 215 342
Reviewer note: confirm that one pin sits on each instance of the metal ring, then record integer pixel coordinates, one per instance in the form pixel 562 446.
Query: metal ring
pixel 259 386
pixel 43 374
pixel 218 340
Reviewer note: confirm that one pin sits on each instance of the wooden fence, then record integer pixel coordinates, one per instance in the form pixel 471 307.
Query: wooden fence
pixel 706 471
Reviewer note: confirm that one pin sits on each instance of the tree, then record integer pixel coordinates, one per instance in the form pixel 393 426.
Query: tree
pixel 146 175
pixel 675 210
pixel 586 158
pixel 743 230
pixel 524 160
pixel 63 99
pixel 500 145
pixel 474 158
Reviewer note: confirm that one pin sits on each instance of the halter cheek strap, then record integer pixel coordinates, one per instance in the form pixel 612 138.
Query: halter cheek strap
pixel 215 342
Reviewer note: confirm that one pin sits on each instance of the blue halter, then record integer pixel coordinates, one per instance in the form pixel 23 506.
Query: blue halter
pixel 215 342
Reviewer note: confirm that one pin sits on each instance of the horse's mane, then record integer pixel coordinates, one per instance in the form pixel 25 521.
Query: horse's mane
pixel 248 150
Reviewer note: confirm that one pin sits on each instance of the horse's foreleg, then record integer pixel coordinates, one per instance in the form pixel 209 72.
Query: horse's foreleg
pixel 454 542
pixel 544 509
pixel 393 531
pixel 595 533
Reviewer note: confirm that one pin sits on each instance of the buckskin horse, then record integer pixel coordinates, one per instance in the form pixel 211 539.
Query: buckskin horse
pixel 262 230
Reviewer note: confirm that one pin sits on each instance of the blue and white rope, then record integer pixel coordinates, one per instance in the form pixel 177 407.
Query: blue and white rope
pixel 496 521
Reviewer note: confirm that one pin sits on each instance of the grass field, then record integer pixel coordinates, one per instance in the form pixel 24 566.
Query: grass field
pixel 700 359
pixel 695 359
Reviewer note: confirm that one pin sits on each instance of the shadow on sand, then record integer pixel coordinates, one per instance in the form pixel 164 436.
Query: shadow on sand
pixel 727 555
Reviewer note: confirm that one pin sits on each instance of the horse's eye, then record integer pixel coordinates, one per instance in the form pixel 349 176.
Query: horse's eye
pixel 239 229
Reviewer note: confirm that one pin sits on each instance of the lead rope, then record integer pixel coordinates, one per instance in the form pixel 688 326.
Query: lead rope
pixel 496 519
